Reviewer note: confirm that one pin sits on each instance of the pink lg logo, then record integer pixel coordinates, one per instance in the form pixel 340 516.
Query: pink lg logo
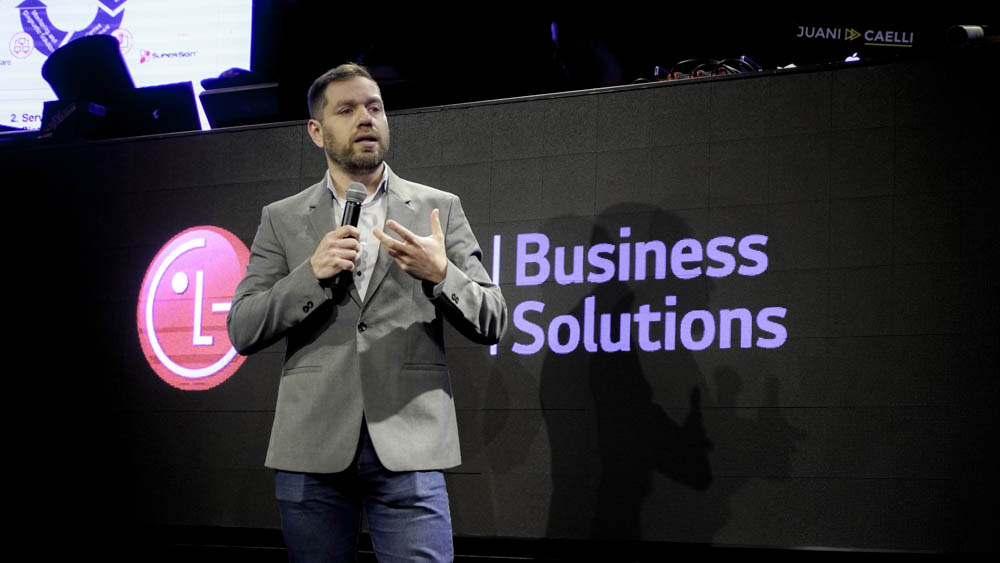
pixel 183 304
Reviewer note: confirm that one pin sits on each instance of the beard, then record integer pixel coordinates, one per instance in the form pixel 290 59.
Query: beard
pixel 352 161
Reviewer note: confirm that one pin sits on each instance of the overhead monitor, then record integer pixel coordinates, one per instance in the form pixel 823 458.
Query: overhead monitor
pixel 161 42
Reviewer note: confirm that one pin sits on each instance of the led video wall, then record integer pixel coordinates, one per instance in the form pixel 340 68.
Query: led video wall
pixel 752 311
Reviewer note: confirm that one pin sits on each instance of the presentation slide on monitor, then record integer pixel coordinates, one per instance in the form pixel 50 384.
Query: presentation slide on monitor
pixel 161 42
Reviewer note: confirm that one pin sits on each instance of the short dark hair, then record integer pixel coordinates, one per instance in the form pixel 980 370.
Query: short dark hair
pixel 317 92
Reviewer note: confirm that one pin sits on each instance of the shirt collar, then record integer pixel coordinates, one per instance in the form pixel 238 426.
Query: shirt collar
pixel 382 189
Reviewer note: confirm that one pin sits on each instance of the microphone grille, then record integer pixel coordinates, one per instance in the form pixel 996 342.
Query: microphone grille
pixel 356 192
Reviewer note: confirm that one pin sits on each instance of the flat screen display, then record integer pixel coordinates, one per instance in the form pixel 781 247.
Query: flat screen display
pixel 161 42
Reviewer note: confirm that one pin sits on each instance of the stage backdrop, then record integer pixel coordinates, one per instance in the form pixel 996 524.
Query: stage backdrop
pixel 749 311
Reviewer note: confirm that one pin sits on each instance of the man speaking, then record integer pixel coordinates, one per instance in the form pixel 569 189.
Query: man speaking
pixel 365 415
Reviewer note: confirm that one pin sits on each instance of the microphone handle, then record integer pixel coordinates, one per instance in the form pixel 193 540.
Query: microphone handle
pixel 352 212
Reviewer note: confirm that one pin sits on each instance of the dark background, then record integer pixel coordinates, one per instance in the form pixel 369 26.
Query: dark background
pixel 872 427
pixel 442 56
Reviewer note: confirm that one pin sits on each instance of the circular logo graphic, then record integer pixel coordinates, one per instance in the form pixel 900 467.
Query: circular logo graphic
pixel 124 39
pixel 183 305
pixel 21 45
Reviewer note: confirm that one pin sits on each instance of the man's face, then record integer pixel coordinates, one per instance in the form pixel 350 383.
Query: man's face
pixel 353 130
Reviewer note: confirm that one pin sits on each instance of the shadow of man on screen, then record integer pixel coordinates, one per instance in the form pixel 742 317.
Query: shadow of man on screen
pixel 608 442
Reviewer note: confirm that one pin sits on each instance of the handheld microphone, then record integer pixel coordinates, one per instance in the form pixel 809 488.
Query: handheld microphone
pixel 356 194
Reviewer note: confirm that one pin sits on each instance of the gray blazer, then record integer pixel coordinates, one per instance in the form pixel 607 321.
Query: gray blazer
pixel 383 357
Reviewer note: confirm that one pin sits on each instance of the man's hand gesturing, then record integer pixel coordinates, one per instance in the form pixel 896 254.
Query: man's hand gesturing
pixel 422 257
pixel 336 252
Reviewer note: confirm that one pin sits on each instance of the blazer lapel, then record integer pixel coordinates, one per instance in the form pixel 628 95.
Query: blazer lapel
pixel 321 219
pixel 400 209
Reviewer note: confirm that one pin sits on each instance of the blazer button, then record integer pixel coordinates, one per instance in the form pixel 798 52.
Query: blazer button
pixel 307 307
pixel 362 327
pixel 454 298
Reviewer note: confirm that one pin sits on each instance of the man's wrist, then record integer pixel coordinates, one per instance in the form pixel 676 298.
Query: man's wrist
pixel 432 289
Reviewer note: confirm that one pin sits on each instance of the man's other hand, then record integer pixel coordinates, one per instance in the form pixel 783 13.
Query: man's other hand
pixel 421 257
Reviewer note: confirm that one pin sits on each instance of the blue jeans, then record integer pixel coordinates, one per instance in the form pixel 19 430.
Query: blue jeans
pixel 408 515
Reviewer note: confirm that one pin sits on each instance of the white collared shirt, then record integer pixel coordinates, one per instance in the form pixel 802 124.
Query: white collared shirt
pixel 373 212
